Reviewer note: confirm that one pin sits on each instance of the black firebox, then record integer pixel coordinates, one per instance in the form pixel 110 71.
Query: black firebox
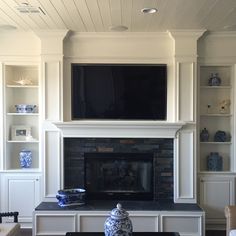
pixel 125 176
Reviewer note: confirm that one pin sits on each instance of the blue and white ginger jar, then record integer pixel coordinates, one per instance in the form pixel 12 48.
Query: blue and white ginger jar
pixel 118 224
pixel 25 157
pixel 214 80
pixel 214 162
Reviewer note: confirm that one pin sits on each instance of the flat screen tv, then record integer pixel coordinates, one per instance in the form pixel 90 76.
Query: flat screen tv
pixel 119 91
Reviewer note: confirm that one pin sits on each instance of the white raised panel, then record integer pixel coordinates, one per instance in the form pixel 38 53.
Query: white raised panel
pixel 52 87
pixel 54 224
pixel 118 48
pixel 141 223
pixel 22 194
pixel 186 91
pixel 185 224
pixel 185 167
pixel 52 163
pixel 144 223
pixel 215 193
pixel 92 223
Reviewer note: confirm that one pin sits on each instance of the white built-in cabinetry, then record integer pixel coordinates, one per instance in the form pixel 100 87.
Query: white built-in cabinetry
pixel 22 194
pixel 217 191
pixel 216 185
pixel 21 131
pixel 185 222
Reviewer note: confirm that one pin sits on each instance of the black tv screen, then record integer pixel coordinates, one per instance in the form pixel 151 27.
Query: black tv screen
pixel 118 91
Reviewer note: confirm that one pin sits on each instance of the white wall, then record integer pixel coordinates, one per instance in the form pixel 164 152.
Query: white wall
pixel 18 44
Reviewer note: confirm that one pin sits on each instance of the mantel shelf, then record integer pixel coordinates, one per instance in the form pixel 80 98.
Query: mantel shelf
pixel 129 129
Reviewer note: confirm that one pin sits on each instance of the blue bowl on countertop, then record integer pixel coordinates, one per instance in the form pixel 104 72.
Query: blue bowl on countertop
pixel 71 197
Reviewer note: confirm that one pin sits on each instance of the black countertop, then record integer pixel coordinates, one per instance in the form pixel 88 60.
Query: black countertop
pixel 127 205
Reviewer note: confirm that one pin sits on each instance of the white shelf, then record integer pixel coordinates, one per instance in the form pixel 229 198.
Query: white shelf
pixel 22 114
pixel 22 141
pixel 215 87
pixel 217 143
pixel 217 114
pixel 216 172
pixel 21 86
pixel 23 170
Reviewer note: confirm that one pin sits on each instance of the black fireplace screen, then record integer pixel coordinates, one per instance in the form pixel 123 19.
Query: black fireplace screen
pixel 119 176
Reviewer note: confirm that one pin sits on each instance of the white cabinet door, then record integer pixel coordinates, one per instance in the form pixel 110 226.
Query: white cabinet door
pixel 22 194
pixel 215 193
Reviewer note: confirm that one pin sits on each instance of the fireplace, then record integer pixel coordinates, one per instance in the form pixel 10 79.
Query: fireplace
pixel 125 176
pixel 120 168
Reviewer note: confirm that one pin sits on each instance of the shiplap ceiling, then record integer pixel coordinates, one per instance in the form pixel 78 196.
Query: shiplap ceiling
pixel 100 15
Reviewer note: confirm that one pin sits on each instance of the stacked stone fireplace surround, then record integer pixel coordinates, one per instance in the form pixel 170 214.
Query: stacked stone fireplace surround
pixel 75 150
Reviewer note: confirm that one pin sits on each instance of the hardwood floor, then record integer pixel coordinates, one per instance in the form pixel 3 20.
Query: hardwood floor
pixel 215 233
pixel 26 232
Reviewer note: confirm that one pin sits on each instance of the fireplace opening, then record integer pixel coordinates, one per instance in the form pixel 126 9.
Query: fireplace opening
pixel 124 176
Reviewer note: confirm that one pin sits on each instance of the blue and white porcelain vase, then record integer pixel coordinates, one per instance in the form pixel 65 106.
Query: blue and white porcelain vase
pixel 118 223
pixel 214 80
pixel 214 162
pixel 204 135
pixel 25 157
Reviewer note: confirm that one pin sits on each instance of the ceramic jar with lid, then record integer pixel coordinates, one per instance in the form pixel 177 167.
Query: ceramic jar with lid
pixel 204 135
pixel 25 157
pixel 214 162
pixel 214 80
pixel 118 223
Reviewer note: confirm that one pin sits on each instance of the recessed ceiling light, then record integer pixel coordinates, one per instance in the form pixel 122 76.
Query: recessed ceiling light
pixel 118 28
pixel 149 10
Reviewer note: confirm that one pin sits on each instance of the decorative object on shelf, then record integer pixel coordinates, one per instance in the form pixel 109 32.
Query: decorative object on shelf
pixel 214 80
pixel 20 132
pixel 204 135
pixel 71 197
pixel 23 81
pixel 25 157
pixel 214 162
pixel 208 108
pixel 221 136
pixel 118 223
pixel 224 106
pixel 25 108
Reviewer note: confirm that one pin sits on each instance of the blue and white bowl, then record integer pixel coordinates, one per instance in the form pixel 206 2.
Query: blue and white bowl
pixel 25 108
pixel 71 197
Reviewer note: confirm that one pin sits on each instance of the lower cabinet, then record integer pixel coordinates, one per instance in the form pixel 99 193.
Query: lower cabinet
pixel 59 222
pixel 215 193
pixel 20 192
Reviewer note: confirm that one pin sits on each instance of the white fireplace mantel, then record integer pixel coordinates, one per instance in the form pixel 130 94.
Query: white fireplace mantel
pixel 119 129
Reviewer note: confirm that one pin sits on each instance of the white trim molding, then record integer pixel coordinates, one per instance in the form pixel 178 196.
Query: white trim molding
pixel 116 129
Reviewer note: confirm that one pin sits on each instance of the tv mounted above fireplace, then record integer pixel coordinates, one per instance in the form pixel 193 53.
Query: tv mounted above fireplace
pixel 119 91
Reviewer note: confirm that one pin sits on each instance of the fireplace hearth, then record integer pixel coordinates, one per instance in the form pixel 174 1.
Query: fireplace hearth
pixel 120 168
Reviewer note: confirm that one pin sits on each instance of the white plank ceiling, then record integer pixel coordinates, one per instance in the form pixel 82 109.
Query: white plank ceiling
pixel 101 15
